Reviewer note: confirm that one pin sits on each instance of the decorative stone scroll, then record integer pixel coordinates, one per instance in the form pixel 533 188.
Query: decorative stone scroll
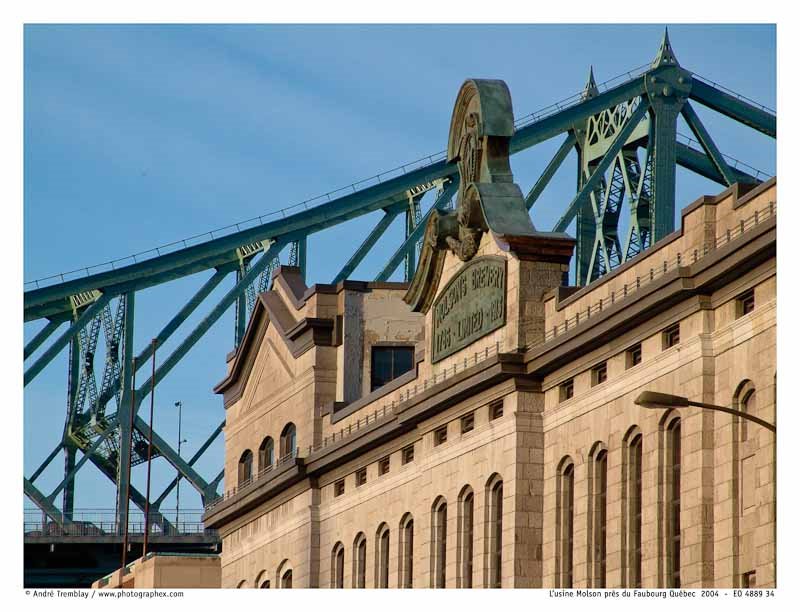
pixel 488 200
pixel 470 306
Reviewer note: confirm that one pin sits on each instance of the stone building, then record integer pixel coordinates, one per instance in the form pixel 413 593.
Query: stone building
pixel 477 428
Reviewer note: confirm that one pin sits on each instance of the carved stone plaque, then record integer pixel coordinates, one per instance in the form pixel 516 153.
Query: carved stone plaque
pixel 470 306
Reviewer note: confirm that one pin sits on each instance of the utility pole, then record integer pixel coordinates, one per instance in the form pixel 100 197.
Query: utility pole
pixel 179 406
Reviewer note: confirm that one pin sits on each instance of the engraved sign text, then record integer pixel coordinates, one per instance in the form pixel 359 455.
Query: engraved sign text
pixel 470 306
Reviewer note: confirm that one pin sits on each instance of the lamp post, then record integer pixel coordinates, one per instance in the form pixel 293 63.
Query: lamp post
pixel 652 399
pixel 178 405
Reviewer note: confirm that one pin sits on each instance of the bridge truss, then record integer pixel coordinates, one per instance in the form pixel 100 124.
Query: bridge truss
pixel 628 148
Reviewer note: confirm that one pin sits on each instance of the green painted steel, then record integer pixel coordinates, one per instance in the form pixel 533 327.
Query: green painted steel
pixel 704 138
pixel 562 224
pixel 64 339
pixel 43 335
pixel 538 187
pixel 414 237
pixel 369 242
pixel 757 118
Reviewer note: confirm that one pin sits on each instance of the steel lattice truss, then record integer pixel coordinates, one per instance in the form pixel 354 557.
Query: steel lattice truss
pixel 628 149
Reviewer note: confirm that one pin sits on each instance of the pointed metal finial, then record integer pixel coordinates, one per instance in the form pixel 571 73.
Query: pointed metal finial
pixel 665 55
pixel 590 90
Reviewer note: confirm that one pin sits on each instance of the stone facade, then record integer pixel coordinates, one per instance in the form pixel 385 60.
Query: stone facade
pixel 532 427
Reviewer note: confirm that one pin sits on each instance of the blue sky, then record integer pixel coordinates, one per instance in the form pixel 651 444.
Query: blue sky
pixel 135 136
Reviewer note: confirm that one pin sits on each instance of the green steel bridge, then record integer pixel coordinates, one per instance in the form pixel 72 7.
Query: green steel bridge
pixel 625 134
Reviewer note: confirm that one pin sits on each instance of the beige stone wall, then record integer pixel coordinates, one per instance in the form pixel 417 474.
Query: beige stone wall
pixel 727 469
pixel 707 223
pixel 716 354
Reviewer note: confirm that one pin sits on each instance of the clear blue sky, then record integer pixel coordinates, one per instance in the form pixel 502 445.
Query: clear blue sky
pixel 139 135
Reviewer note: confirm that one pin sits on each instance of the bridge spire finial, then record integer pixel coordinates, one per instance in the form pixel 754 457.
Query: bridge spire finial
pixel 590 89
pixel 665 55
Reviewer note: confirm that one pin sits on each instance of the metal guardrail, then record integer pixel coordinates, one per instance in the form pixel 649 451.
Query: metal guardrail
pixel 686 258
pixel 576 98
pixel 248 483
pixel 96 523
pixel 730 92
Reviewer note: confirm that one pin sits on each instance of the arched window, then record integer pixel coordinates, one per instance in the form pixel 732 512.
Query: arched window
pixel 359 561
pixel 337 566
pixel 494 531
pixel 632 509
pixel 245 467
pixel 744 400
pixel 406 564
pixel 745 448
pixel 565 512
pixel 242 585
pixel 672 478
pixel 283 576
pixel 439 543
pixel 382 557
pixel 288 440
pixel 598 494
pixel 466 537
pixel 266 454
pixel 262 582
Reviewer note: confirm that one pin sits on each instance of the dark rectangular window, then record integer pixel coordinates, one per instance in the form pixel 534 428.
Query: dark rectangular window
pixel 674 473
pixel 383 466
pixel 496 410
pixel 671 336
pixel 566 390
pixel 408 454
pixel 440 436
pixel 338 488
pixel 468 422
pixel 389 362
pixel 361 477
pixel 599 374
pixel 745 303
pixel 749 580
pixel 633 356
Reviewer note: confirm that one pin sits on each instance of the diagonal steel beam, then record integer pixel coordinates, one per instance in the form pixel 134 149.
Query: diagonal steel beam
pixel 562 121
pixel 64 339
pixel 38 498
pixel 212 317
pixel 161 445
pixel 192 461
pixel 366 246
pixel 734 107
pixel 46 462
pixel 602 166
pixel 699 163
pixel 44 334
pixel 550 170
pixel 167 331
pixel 414 237
pixel 112 424
pixel 705 140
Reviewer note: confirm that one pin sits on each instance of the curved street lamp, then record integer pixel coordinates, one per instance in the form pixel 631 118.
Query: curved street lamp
pixel 652 399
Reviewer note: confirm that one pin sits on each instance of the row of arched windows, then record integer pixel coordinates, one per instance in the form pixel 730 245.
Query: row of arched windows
pixel 283 578
pixel 438 569
pixel 266 454
pixel 631 499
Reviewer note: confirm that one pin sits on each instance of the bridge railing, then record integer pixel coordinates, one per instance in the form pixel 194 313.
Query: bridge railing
pixel 94 523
